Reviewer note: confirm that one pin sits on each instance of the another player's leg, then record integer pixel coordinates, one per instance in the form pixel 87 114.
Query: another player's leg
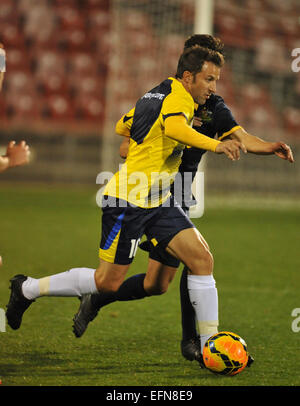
pixel 154 282
pixel 90 304
pixel 190 342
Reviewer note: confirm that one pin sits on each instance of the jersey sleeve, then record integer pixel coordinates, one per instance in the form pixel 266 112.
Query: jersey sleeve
pixel 176 104
pixel 226 123
pixel 123 126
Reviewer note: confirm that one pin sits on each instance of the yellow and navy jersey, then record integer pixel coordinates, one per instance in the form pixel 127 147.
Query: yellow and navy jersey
pixel 153 158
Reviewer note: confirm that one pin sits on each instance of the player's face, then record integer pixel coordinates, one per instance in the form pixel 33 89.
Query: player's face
pixel 204 83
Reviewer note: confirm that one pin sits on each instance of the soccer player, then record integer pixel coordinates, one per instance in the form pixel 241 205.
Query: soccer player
pixel 15 154
pixel 159 128
pixel 211 118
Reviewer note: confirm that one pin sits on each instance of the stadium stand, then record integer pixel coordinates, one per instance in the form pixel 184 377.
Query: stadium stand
pixel 56 60
pixel 60 53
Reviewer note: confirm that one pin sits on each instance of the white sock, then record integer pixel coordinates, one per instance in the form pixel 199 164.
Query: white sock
pixel 204 298
pixel 75 282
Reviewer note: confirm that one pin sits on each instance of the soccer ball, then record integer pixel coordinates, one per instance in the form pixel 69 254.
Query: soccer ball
pixel 225 353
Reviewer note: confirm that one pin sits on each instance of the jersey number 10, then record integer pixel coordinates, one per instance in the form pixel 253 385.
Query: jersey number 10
pixel 134 247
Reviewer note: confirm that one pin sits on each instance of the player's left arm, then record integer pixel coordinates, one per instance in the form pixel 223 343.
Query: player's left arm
pixel 124 147
pixel 123 128
pixel 259 146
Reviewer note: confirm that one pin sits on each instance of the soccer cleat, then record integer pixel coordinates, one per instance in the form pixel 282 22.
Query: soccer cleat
pixel 86 313
pixel 200 360
pixel 190 349
pixel 17 302
pixel 250 361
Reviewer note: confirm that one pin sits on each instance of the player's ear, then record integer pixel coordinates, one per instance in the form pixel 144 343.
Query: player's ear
pixel 187 77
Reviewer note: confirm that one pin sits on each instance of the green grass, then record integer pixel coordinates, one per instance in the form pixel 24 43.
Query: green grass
pixel 48 230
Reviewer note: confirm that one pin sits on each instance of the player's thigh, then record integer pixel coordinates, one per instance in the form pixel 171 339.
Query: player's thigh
pixel 158 277
pixel 191 248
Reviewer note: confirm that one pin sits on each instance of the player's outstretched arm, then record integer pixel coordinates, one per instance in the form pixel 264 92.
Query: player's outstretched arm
pixel 260 147
pixel 16 155
pixel 177 128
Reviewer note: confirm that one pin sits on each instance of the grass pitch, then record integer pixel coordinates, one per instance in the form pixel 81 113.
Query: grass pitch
pixel 48 230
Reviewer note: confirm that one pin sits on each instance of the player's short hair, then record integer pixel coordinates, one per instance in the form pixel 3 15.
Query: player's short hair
pixel 205 41
pixel 192 60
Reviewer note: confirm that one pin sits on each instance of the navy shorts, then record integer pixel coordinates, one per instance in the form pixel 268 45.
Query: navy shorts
pixel 123 228
pixel 159 253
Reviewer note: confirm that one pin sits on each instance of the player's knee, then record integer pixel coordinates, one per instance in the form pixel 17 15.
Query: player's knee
pixel 202 263
pixel 157 290
pixel 106 284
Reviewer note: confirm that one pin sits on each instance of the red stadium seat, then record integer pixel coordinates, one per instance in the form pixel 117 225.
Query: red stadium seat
pixel 49 62
pixel 99 20
pixel 63 3
pixel 288 26
pixel 82 63
pixel 75 40
pixel 24 106
pixel 59 108
pixel 261 26
pixel 136 21
pixel 94 5
pixel 230 28
pixel 87 85
pixel 90 108
pixel 291 120
pixel 53 84
pixel 19 82
pixel 8 13
pixel 3 110
pixel 11 36
pixel 39 23
pixel 258 7
pixel 271 56
pixel 17 60
pixel 70 17
pixel 254 95
pixel 260 117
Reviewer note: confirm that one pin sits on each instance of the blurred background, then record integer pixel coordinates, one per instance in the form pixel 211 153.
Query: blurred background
pixel 74 67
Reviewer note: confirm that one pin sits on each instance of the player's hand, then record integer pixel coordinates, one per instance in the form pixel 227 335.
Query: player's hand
pixel 283 151
pixel 18 154
pixel 231 149
pixel 197 122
